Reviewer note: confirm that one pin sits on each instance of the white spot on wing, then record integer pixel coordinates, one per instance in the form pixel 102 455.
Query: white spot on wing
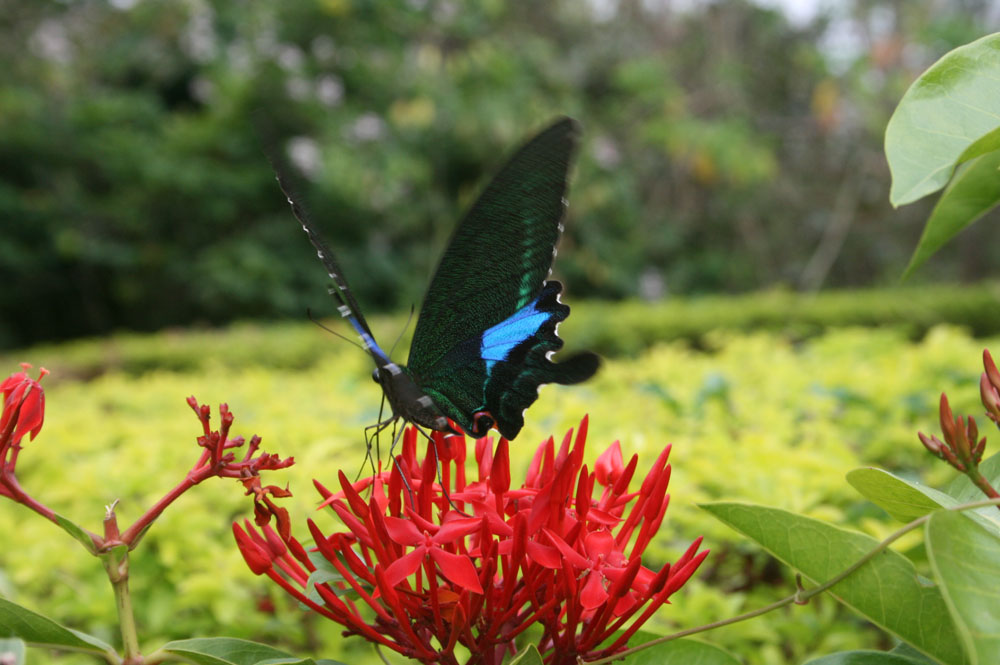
pixel 555 329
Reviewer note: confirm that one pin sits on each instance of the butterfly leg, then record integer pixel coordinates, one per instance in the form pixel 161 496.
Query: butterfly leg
pixel 372 439
pixel 437 465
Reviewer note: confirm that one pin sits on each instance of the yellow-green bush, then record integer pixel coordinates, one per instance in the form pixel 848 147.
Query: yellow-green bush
pixel 751 416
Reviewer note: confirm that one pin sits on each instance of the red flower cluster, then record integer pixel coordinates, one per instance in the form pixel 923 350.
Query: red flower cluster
pixel 23 413
pixel 23 405
pixel 483 563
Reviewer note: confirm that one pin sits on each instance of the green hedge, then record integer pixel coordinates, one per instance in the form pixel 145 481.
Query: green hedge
pixel 628 328
pixel 613 330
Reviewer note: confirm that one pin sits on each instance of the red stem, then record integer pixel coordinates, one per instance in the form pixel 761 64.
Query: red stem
pixel 193 477
pixel 984 485
pixel 20 496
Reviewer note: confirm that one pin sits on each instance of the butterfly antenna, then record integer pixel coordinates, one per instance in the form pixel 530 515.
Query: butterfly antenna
pixel 332 332
pixel 409 320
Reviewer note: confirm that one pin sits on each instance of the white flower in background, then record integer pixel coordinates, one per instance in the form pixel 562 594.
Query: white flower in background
pixel 304 153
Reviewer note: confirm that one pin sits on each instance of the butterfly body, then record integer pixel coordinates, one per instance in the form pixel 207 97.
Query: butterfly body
pixel 487 327
pixel 407 400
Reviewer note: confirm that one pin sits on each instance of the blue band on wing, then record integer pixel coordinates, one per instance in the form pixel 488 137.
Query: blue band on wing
pixel 498 341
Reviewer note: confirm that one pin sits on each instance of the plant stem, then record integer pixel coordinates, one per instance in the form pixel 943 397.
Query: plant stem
pixel 801 596
pixel 984 485
pixel 116 565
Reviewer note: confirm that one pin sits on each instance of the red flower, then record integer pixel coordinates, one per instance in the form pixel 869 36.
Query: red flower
pixel 23 406
pixel 482 563
pixel 23 413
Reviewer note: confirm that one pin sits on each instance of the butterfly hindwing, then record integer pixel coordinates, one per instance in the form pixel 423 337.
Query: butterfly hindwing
pixel 499 376
pixel 488 323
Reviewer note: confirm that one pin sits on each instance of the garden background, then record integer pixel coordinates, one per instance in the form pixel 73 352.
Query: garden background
pixel 730 251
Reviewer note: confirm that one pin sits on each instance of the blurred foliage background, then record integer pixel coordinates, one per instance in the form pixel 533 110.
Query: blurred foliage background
pixel 729 146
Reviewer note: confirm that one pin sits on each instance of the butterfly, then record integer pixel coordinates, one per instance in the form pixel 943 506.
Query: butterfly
pixel 487 327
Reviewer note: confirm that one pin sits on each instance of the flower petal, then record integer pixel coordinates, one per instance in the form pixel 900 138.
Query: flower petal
pixel 404 566
pixel 598 544
pixel 457 528
pixel 458 569
pixel 624 604
pixel 593 594
pixel 12 381
pixel 543 555
pixel 602 517
pixel 403 531
pixel 423 525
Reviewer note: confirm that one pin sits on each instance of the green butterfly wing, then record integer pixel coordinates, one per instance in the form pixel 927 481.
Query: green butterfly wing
pixel 485 330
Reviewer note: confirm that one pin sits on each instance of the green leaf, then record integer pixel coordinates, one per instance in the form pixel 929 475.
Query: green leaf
pixel 904 649
pixel 682 652
pixel 529 656
pixel 12 652
pixel 231 651
pixel 906 500
pixel 987 143
pixel 947 110
pixel 77 531
pixel 866 658
pixel 966 562
pixel 886 591
pixel 974 191
pixel 40 631
pixel 903 500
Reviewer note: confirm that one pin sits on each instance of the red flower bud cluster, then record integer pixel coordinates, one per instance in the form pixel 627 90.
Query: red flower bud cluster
pixel 218 459
pixel 989 387
pixel 24 412
pixel 420 570
pixel 962 448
